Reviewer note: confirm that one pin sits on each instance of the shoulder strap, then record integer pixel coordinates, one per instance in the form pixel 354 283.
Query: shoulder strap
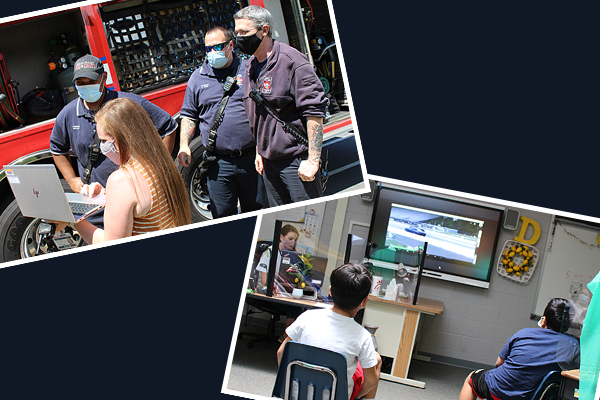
pixel 259 99
pixel 93 154
pixel 94 147
pixel 229 88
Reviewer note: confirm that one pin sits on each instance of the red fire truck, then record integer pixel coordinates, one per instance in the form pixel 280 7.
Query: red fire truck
pixel 147 47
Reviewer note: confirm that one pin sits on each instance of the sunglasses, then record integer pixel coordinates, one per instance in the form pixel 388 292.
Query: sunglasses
pixel 216 47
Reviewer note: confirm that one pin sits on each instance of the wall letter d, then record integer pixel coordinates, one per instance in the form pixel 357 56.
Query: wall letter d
pixel 526 222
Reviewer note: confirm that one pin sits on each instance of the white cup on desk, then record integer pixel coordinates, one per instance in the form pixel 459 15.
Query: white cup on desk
pixel 297 293
pixel 376 285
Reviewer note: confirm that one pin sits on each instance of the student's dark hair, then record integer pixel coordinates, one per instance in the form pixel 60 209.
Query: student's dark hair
pixel 350 285
pixel 557 313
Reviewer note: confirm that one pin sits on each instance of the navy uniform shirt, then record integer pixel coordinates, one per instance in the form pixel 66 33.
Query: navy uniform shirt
pixel 75 129
pixel 202 98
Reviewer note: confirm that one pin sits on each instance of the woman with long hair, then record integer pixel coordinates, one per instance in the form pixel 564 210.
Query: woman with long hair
pixel 146 193
pixel 288 239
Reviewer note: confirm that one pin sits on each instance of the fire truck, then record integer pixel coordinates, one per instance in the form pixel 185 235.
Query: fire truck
pixel 148 47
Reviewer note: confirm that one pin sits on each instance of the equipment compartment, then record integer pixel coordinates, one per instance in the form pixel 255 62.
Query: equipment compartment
pixel 162 43
pixel 39 54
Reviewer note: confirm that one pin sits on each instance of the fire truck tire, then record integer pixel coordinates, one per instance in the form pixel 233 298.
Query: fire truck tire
pixel 12 228
pixel 18 234
pixel 199 200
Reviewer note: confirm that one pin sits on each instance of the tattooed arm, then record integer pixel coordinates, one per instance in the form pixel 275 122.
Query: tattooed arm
pixel 188 127
pixel 309 168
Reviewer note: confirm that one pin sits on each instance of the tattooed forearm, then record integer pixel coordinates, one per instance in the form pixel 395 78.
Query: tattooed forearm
pixel 315 138
pixel 188 127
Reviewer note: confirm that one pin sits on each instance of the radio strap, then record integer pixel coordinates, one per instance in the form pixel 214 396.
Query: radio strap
pixel 94 147
pixel 229 87
pixel 208 157
pixel 93 154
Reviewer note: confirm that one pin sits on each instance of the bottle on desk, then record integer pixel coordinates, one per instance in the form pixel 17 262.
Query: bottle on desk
pixel 401 294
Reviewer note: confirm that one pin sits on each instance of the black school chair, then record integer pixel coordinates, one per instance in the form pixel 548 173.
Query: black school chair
pixel 274 310
pixel 308 372
pixel 549 387
pixel 267 307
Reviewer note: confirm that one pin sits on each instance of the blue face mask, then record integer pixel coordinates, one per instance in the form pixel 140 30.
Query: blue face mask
pixel 217 59
pixel 90 93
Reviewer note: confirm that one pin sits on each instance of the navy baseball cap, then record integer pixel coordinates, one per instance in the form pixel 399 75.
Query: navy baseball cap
pixel 88 66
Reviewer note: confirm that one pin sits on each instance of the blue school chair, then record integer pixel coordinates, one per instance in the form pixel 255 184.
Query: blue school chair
pixel 549 387
pixel 307 372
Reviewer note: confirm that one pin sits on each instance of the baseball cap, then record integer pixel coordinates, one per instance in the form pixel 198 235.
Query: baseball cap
pixel 88 66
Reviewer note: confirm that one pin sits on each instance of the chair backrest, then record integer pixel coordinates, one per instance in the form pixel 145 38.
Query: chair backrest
pixel 549 388
pixel 308 372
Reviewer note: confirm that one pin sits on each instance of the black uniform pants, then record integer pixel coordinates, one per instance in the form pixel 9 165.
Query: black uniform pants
pixel 233 179
pixel 284 186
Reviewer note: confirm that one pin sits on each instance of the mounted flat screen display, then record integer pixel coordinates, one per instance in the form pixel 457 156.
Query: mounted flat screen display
pixel 461 237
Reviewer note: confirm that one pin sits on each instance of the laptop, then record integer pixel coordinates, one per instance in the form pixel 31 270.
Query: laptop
pixel 39 193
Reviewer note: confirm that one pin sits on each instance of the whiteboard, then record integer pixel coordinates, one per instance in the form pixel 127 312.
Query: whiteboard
pixel 570 263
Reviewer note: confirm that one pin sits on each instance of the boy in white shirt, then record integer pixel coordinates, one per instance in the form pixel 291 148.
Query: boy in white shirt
pixel 335 329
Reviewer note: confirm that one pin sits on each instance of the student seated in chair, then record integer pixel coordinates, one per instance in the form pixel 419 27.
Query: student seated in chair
pixel 335 329
pixel 527 357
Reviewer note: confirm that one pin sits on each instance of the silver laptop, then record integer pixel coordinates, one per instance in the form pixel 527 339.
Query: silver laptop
pixel 39 193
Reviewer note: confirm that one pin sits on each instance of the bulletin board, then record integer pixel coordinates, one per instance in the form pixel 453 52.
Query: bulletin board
pixel 571 261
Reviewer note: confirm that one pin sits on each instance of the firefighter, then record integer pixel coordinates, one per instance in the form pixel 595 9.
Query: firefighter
pixel 75 129
pixel 288 82
pixel 231 175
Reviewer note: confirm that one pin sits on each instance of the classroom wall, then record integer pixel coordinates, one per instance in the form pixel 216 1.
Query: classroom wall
pixel 476 322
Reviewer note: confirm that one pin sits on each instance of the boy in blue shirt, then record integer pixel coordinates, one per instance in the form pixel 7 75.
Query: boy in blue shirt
pixel 526 358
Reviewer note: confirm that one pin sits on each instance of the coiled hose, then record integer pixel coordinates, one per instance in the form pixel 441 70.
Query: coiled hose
pixel 9 110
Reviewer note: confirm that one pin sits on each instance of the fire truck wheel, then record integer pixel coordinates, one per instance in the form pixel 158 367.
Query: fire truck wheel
pixel 19 235
pixel 199 200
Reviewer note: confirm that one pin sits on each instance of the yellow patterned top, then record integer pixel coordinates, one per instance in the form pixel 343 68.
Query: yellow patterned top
pixel 158 217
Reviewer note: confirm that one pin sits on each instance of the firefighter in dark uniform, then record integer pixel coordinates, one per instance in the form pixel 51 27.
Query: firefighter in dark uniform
pixel 75 129
pixel 231 177
pixel 287 80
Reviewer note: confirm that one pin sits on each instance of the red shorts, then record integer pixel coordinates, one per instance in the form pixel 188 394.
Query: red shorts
pixel 359 379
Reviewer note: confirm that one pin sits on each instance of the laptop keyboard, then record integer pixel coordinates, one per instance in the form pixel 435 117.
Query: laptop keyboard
pixel 82 208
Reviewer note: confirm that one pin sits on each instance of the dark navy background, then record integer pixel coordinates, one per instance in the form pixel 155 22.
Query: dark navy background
pixel 496 100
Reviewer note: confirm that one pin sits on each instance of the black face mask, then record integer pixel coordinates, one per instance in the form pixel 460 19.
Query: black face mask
pixel 248 44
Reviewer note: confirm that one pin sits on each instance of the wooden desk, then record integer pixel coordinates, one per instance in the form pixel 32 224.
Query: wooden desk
pixel 569 385
pixel 398 326
pixel 309 304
